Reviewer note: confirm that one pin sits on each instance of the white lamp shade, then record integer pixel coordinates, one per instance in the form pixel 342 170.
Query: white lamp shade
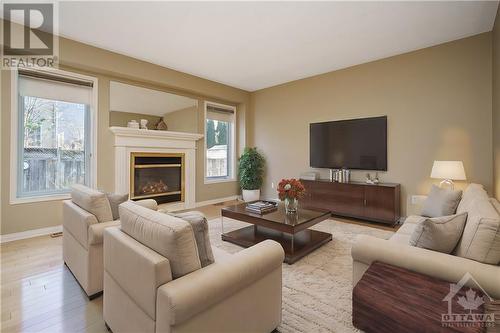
pixel 453 170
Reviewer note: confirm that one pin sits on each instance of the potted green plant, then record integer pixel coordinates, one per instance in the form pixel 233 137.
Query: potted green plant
pixel 251 173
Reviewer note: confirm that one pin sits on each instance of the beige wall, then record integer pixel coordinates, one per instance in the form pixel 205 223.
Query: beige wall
pixel 496 103
pixel 438 103
pixel 108 66
pixel 185 120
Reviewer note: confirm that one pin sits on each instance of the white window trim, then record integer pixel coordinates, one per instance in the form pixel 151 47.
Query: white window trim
pixel 232 176
pixel 14 116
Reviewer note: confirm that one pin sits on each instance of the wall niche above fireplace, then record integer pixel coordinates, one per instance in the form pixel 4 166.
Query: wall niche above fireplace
pixel 158 176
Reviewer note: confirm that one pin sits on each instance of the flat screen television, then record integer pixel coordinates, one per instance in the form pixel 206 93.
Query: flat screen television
pixel 351 144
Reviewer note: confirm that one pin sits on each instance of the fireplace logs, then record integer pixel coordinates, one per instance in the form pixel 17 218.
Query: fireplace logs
pixel 154 187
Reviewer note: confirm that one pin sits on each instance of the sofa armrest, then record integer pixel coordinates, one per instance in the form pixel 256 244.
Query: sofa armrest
pixel 191 294
pixel 96 231
pixel 439 265
pixel 77 221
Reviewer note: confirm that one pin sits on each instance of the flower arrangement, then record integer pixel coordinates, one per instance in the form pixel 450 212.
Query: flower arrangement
pixel 290 189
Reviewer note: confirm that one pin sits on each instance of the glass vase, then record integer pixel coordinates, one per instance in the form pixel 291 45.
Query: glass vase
pixel 291 205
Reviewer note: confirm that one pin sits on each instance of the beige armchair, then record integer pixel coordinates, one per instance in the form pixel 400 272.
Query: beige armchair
pixel 154 282
pixel 85 217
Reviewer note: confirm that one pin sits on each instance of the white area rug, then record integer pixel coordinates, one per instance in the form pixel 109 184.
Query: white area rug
pixel 316 289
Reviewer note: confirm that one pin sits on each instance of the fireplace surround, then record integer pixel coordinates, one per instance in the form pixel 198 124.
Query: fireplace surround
pixel 148 152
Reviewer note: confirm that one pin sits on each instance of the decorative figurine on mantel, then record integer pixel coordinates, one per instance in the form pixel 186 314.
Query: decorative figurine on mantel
pixel 161 125
pixel 133 124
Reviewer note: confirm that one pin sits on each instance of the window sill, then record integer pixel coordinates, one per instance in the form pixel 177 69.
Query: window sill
pixel 27 200
pixel 220 180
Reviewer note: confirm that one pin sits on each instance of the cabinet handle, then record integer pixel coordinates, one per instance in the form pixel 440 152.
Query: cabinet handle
pixel 364 202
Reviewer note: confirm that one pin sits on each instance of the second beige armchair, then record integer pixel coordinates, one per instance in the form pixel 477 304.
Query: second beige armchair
pixel 154 281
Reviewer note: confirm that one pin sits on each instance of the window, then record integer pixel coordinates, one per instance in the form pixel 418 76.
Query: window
pixel 53 133
pixel 219 142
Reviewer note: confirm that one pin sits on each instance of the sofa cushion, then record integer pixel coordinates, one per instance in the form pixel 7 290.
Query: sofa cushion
pixel 481 238
pixel 495 204
pixel 441 202
pixel 401 238
pixel 471 193
pixel 413 219
pixel 199 224
pixel 92 201
pixel 171 237
pixel 439 233
pixel 403 234
pixel 114 201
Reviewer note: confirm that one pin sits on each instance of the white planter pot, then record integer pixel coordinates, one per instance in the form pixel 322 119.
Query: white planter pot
pixel 250 195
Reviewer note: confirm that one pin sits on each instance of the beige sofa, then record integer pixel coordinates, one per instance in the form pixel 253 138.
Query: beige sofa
pixel 481 228
pixel 85 216
pixel 154 282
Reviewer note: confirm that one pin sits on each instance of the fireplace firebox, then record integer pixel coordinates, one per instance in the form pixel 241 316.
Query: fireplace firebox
pixel 158 176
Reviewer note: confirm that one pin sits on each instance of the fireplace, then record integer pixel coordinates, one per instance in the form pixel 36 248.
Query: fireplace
pixel 158 176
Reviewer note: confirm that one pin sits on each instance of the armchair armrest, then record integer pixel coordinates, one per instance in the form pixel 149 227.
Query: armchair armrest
pixel 439 265
pixel 77 221
pixel 96 231
pixel 191 294
pixel 147 203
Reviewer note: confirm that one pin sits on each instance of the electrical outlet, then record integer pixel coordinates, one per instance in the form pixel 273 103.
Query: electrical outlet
pixel 272 185
pixel 418 199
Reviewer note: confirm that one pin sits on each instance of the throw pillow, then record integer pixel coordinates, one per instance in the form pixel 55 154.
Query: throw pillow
pixel 439 233
pixel 199 224
pixel 471 194
pixel 114 201
pixel 441 202
pixel 481 238
pixel 92 201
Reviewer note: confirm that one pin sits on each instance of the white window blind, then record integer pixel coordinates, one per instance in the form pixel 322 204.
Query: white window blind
pixel 54 133
pixel 220 114
pixel 55 88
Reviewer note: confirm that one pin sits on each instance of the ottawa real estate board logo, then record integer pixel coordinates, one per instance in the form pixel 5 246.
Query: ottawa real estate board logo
pixel 29 37
pixel 467 306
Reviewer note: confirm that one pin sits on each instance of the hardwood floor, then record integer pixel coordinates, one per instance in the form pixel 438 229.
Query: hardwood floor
pixel 39 293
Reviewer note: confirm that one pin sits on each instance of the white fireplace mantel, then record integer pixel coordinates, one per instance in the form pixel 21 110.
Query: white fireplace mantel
pixel 128 140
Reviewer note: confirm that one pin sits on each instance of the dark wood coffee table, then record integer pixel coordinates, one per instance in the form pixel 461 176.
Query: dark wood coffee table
pixel 290 230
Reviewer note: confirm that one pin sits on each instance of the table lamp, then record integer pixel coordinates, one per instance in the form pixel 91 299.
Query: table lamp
pixel 449 171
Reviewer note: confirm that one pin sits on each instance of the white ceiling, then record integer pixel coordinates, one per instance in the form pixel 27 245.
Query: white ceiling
pixel 253 45
pixel 128 98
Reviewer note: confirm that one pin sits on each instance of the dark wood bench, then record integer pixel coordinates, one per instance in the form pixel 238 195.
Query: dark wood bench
pixel 393 299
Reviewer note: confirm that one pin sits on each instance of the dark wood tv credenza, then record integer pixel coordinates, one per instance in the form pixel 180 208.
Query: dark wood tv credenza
pixel 377 203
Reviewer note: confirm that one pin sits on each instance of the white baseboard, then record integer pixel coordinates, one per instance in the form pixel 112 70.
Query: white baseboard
pixel 50 230
pixel 29 234
pixel 216 201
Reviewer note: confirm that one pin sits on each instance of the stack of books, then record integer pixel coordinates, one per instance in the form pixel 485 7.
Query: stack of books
pixel 261 207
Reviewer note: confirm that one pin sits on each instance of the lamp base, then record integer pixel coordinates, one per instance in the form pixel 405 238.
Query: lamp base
pixel 447 183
